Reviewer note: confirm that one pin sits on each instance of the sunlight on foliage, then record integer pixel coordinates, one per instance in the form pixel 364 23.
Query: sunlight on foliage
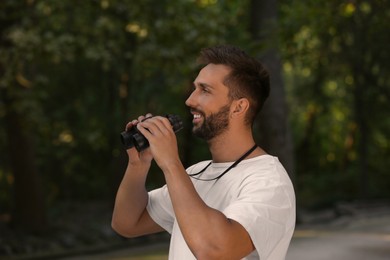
pixel 44 8
pixel 137 29
pixel 348 9
pixel 365 7
pixel 205 3
pixel 306 72
pixel 104 4
pixel 287 67
pixel 349 80
pixel 65 137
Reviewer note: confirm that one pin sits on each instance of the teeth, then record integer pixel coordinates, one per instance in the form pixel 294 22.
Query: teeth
pixel 196 116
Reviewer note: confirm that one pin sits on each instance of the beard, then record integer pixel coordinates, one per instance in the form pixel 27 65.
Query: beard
pixel 214 124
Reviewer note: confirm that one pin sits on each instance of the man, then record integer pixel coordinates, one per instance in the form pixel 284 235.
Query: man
pixel 240 204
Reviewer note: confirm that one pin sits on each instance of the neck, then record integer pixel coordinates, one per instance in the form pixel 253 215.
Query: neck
pixel 229 147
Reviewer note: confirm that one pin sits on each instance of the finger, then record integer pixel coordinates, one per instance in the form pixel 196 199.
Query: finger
pixel 141 118
pixel 151 125
pixel 133 153
pixel 167 123
pixel 131 124
pixel 158 126
pixel 163 124
pixel 145 131
pixel 148 115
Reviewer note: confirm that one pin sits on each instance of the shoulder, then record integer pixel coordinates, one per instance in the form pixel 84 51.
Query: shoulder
pixel 264 166
pixel 197 167
pixel 264 174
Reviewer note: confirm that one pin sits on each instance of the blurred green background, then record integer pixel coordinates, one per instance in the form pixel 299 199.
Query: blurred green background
pixel 72 73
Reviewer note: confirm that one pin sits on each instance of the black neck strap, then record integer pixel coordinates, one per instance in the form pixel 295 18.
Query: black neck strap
pixel 228 169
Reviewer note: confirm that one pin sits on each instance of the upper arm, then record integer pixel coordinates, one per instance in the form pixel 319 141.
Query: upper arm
pixel 240 243
pixel 220 238
pixel 145 225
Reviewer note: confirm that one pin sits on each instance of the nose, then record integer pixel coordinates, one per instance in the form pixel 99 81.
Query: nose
pixel 191 100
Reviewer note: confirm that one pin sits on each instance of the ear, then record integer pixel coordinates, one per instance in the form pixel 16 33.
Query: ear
pixel 240 107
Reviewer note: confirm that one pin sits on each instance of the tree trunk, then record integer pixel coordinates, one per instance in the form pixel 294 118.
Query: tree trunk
pixel 361 69
pixel 28 204
pixel 275 135
pixel 29 209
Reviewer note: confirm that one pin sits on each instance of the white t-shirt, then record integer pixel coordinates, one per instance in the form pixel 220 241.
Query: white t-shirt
pixel 257 193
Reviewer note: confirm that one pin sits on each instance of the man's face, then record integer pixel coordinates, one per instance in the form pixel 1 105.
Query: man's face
pixel 209 102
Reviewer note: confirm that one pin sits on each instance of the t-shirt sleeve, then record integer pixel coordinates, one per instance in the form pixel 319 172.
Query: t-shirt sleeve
pixel 160 208
pixel 265 207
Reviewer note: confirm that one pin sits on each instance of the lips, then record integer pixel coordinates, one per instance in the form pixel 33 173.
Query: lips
pixel 197 116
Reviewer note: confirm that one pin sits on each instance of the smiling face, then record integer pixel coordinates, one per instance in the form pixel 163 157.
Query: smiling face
pixel 209 102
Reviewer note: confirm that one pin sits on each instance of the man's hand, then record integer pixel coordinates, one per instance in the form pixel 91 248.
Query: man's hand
pixel 162 140
pixel 139 158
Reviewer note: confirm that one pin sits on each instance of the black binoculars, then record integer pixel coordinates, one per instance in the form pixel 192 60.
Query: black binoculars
pixel 133 138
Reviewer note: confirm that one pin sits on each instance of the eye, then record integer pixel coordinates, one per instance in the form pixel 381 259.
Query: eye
pixel 205 89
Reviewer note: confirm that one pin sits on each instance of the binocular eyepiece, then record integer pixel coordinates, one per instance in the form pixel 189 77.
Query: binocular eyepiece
pixel 133 138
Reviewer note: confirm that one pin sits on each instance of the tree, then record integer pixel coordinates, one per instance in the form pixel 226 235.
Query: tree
pixel 77 72
pixel 336 62
pixel 29 204
pixel 274 129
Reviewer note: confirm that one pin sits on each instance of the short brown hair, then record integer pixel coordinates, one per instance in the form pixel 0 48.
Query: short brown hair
pixel 248 77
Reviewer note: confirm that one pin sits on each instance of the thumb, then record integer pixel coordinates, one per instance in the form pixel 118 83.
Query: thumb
pixel 133 154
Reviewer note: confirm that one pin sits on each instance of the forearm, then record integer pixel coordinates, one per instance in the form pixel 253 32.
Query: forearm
pixel 207 231
pixel 131 199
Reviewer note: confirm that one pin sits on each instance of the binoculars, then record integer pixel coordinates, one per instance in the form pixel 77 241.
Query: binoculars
pixel 133 138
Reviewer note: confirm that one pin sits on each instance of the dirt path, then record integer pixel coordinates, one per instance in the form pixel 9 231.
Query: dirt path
pixel 359 238
pixel 307 244
pixel 339 245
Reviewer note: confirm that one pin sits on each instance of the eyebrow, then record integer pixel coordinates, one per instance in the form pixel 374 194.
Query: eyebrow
pixel 203 85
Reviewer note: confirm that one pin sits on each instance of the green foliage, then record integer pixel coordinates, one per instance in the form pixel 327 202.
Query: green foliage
pixel 337 75
pixel 78 70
